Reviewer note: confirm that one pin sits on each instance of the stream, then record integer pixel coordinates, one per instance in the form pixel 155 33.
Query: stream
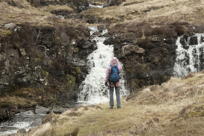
pixel 22 121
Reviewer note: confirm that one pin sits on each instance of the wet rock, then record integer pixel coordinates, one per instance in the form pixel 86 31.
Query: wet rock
pixel 7 113
pixel 86 44
pixel 58 110
pixel 26 114
pixel 42 110
pixel 184 41
pixel 101 28
pixel 78 62
pixel 22 131
pixel 37 122
pixel 22 52
pixel 114 2
pixel 128 49
pixel 202 39
pixel 193 40
pixel 4 114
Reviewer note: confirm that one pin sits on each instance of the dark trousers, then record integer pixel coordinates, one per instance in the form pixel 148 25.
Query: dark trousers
pixel 117 92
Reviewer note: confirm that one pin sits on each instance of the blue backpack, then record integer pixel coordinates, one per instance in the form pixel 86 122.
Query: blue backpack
pixel 114 75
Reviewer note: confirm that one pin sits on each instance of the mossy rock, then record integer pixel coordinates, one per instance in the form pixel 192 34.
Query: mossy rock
pixel 45 73
pixel 71 81
pixel 78 70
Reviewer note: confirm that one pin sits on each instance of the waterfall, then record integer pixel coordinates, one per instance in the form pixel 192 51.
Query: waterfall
pixel 93 89
pixel 189 54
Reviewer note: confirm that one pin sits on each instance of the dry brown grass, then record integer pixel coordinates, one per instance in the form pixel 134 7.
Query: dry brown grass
pixel 12 14
pixel 12 101
pixel 24 13
pixel 57 7
pixel 176 108
pixel 151 11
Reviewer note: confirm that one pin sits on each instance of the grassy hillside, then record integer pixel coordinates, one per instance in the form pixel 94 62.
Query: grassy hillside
pixel 151 11
pixel 176 108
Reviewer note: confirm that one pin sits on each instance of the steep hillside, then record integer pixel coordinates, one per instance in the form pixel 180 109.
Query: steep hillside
pixel 174 108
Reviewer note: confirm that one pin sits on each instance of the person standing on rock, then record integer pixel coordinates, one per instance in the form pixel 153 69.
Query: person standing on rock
pixel 113 81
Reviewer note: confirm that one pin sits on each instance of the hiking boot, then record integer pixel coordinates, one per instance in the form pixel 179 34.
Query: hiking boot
pixel 111 107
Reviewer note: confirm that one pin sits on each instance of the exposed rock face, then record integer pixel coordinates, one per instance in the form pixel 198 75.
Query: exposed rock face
pixel 44 63
pixel 129 49
pixel 147 52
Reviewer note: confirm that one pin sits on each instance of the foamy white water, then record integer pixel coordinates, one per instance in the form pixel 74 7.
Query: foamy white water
pixel 189 54
pixel 93 89
pixel 96 6
pixel 15 127
pixel 21 121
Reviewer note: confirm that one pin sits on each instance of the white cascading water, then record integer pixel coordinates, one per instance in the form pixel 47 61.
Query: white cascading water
pixel 93 89
pixel 95 6
pixel 189 55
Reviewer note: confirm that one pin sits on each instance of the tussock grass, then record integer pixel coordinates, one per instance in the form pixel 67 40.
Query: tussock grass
pixel 50 8
pixel 12 101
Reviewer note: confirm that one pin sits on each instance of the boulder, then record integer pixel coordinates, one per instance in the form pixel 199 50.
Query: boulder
pixel 58 110
pixel 114 2
pixel 42 110
pixel 128 49
pixel 10 26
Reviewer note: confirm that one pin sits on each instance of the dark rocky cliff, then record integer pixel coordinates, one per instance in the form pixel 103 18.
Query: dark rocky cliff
pixel 48 61
pixel 42 64
pixel 148 53
pixel 42 56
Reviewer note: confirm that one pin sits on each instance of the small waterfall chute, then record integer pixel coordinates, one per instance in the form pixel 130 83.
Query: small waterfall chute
pixel 93 89
pixel 189 55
